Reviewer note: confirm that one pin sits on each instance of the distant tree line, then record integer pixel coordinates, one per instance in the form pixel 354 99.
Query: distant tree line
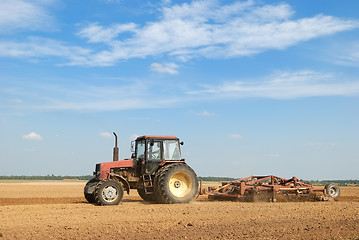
pixel 88 177
pixel 216 179
pixel 339 182
pixel 47 177
pixel 213 179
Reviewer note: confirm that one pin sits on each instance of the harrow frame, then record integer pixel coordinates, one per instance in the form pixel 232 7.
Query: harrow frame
pixel 247 188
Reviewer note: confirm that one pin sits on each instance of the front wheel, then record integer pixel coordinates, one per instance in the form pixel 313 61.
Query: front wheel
pixel 176 183
pixel 109 192
pixel 89 192
pixel 90 198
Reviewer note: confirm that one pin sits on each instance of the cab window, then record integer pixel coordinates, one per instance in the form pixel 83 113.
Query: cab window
pixel 140 149
pixel 171 150
pixel 154 150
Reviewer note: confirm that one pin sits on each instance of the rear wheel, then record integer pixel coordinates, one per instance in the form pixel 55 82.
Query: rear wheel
pixel 332 190
pixel 109 192
pixel 176 183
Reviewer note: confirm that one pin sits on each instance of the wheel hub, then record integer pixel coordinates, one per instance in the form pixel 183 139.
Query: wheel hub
pixel 109 193
pixel 177 184
pixel 332 191
pixel 180 184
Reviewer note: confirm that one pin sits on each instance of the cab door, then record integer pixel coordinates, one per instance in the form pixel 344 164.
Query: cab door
pixel 154 155
pixel 140 154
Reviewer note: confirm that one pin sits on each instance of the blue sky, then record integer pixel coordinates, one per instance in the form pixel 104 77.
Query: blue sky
pixel 251 87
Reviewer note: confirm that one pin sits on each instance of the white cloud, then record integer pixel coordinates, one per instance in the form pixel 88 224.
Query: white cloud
pixel 96 33
pixel 36 47
pixel 136 93
pixel 205 114
pixel 21 14
pixel 113 1
pixel 105 134
pixel 32 136
pixel 283 85
pixel 208 29
pixel 321 145
pixel 30 150
pixel 169 68
pixel 235 136
pixel 166 2
pixel 314 144
pixel 17 100
pixel 87 97
pixel 200 29
pixel 273 155
pixel 345 54
pixel 133 137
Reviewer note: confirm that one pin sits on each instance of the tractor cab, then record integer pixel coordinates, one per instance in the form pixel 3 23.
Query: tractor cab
pixel 151 151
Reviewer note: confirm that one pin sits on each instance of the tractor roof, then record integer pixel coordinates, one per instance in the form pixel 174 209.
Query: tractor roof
pixel 157 137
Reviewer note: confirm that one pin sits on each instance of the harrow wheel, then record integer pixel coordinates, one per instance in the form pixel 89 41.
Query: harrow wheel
pixel 109 192
pixel 332 190
pixel 175 183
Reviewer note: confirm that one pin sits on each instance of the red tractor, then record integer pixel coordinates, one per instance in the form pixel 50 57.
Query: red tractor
pixel 156 169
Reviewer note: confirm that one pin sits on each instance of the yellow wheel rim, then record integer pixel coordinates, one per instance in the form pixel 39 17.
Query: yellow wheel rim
pixel 180 184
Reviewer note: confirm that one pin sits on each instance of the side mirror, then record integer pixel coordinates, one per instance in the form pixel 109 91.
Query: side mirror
pixel 182 143
pixel 133 155
pixel 133 146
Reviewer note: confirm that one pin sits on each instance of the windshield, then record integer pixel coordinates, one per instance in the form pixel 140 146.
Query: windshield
pixel 172 150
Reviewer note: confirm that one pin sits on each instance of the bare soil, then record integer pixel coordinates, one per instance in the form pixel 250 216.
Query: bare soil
pixel 58 210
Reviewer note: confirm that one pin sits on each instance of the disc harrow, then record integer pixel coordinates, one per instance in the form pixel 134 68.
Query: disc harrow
pixel 267 188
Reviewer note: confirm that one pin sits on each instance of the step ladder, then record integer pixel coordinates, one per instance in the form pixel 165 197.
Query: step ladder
pixel 147 183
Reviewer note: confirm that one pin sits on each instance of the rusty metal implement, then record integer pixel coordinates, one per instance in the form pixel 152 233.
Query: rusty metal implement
pixel 267 187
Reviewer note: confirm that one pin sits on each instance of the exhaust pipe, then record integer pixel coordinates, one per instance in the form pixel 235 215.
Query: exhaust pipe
pixel 115 149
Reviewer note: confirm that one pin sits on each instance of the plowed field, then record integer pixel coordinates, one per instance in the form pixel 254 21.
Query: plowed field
pixel 58 210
